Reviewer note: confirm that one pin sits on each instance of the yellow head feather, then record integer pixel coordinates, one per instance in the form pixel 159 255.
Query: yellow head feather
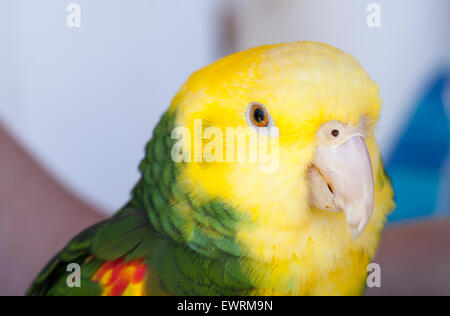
pixel 302 85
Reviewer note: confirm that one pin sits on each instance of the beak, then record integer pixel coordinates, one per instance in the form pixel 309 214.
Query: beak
pixel 341 180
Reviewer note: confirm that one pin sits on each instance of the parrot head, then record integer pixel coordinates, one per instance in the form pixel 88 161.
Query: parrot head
pixel 313 110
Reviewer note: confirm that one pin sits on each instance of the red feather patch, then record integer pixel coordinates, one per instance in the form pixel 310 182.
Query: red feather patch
pixel 120 277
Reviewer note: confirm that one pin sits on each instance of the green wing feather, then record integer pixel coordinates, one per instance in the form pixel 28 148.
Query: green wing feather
pixel 184 255
pixel 175 269
pixel 106 241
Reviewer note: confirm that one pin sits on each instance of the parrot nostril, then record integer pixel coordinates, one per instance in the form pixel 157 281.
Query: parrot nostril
pixel 335 133
pixel 330 188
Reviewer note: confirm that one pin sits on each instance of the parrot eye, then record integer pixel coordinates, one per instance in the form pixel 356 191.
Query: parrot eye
pixel 258 115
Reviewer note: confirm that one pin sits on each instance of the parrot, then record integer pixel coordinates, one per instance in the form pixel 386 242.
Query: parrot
pixel 199 224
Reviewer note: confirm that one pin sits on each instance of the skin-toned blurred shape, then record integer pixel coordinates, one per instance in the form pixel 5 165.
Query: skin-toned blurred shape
pixel 37 217
pixel 415 259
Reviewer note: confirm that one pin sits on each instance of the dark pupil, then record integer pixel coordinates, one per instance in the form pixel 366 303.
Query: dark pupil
pixel 259 115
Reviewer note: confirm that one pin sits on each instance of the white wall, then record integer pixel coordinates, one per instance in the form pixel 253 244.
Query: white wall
pixel 84 101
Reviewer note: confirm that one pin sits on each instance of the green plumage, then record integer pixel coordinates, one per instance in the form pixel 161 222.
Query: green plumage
pixel 193 252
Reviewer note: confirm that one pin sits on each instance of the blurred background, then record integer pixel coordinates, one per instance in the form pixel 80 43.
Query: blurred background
pixel 82 101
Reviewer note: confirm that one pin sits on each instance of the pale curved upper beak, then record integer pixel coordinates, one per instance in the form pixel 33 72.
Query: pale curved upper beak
pixel 341 180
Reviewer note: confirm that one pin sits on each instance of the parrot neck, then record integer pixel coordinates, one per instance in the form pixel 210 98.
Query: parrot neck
pixel 208 227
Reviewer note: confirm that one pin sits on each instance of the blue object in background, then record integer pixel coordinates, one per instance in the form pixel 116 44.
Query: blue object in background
pixel 416 166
